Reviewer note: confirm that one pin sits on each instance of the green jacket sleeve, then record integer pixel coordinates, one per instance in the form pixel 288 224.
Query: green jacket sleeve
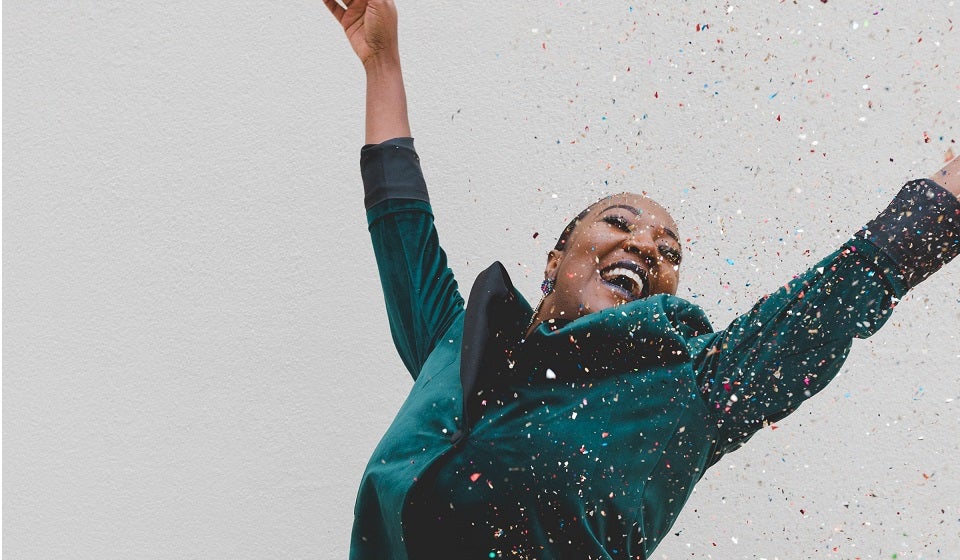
pixel 419 289
pixel 793 342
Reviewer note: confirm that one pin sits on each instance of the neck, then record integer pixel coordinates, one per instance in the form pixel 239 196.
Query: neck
pixel 534 320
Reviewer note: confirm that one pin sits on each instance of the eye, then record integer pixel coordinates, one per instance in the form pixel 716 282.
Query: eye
pixel 618 222
pixel 670 254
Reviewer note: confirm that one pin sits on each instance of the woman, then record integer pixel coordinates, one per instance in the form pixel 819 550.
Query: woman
pixel 578 429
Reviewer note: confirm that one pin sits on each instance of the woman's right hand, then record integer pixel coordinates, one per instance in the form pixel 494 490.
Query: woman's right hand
pixel 371 28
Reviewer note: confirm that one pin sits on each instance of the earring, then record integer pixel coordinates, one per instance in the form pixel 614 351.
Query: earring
pixel 547 286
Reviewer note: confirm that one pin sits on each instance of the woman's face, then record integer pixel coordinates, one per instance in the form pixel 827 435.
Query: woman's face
pixel 625 248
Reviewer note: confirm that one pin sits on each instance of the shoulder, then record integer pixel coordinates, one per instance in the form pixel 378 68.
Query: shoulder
pixel 689 319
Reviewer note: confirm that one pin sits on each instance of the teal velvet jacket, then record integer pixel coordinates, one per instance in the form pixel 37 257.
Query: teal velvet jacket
pixel 585 439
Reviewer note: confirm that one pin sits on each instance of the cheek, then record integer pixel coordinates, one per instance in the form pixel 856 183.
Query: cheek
pixel 674 277
pixel 579 266
pixel 668 276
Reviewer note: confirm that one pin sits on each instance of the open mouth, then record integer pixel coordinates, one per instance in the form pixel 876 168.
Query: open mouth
pixel 627 278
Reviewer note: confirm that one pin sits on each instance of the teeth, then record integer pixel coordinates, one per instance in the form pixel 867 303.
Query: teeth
pixel 629 274
pixel 633 276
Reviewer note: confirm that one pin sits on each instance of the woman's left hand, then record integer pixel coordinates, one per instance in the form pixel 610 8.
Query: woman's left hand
pixel 949 177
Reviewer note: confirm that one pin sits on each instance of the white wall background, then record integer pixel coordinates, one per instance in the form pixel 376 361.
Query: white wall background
pixel 197 362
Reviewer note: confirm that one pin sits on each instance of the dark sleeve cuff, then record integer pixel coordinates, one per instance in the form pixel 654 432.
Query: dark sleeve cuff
pixel 391 169
pixel 919 231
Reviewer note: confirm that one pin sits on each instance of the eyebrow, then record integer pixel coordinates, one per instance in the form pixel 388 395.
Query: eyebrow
pixel 624 206
pixel 637 212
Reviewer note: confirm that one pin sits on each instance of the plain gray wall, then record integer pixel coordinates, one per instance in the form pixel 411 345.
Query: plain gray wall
pixel 197 360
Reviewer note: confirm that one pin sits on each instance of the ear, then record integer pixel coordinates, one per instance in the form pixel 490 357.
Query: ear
pixel 553 263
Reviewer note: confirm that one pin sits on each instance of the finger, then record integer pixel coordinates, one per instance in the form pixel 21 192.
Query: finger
pixel 335 8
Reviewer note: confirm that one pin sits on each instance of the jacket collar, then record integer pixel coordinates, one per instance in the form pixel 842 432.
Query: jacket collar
pixel 651 332
pixel 495 319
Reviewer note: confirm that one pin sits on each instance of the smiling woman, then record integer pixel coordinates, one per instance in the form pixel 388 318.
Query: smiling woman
pixel 580 428
pixel 622 248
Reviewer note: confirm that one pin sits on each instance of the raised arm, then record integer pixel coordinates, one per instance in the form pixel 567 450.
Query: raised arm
pixel 793 342
pixel 371 28
pixel 419 289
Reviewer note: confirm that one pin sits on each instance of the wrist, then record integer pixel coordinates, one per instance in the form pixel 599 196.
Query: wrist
pixel 382 64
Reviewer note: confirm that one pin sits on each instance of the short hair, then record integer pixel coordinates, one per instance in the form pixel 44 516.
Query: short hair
pixel 568 231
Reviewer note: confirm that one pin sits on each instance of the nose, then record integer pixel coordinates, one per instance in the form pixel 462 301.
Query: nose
pixel 641 243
